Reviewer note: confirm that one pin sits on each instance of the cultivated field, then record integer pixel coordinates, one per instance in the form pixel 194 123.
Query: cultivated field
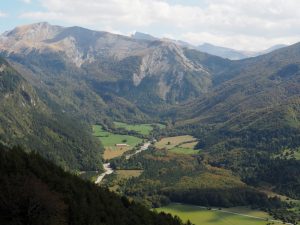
pixel 201 216
pixel 180 144
pixel 109 141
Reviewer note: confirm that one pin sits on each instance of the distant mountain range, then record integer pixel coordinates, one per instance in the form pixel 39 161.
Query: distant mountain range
pixel 223 52
pixel 232 53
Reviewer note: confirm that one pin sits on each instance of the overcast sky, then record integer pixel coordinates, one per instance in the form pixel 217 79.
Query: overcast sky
pixel 239 24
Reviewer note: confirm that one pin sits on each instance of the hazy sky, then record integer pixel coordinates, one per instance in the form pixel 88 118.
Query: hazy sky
pixel 239 24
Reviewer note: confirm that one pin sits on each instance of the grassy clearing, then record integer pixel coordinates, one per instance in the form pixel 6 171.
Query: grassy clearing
pixel 179 144
pixel 297 154
pixel 289 154
pixel 202 216
pixel 109 141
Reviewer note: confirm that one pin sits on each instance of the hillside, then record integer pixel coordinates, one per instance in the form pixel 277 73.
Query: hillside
pixel 29 119
pixel 266 83
pixel 35 191
pixel 250 116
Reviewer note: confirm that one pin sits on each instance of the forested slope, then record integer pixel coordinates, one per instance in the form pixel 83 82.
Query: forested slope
pixel 35 191
pixel 30 119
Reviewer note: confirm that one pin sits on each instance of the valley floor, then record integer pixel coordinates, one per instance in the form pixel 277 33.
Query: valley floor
pixel 199 215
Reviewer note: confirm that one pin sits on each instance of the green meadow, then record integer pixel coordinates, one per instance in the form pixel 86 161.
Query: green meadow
pixel 109 139
pixel 202 216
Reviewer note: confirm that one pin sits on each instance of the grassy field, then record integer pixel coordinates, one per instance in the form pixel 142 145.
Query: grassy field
pixel 180 144
pixel 144 129
pixel 202 216
pixel 109 140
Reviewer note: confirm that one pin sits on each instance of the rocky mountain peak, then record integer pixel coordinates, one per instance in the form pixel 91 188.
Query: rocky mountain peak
pixel 34 32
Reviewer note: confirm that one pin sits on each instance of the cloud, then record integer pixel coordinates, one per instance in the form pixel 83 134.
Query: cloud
pixel 257 23
pixel 2 14
pixel 27 1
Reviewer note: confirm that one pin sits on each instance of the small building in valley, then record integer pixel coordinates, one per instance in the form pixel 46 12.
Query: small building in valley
pixel 121 145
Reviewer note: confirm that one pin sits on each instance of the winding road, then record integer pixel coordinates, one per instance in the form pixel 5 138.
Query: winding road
pixel 107 168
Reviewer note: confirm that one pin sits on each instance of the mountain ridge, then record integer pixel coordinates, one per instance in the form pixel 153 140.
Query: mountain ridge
pixel 161 62
pixel 224 52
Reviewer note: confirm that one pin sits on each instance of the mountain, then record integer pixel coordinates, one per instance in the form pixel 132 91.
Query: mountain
pixel 140 74
pixel 53 59
pixel 143 36
pixel 249 94
pixel 233 54
pixel 251 84
pixel 98 75
pixel 272 48
pixel 253 108
pixel 30 119
pixel 66 75
pixel 223 52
